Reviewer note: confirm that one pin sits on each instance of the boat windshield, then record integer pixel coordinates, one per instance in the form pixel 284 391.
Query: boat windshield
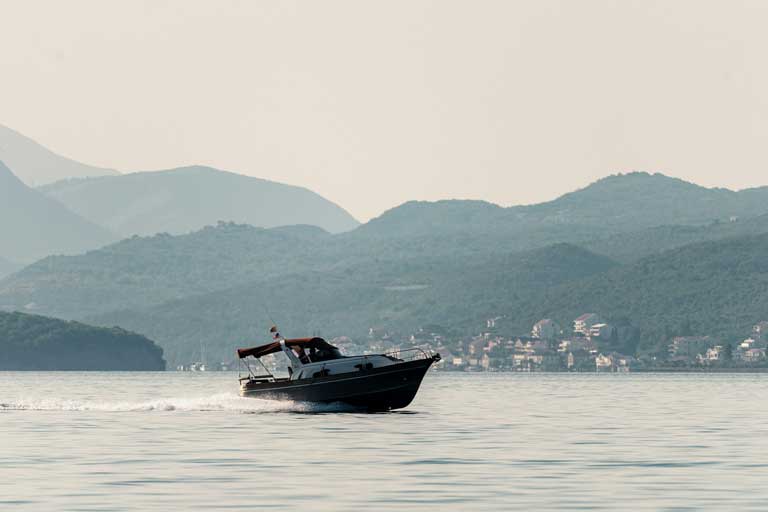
pixel 326 353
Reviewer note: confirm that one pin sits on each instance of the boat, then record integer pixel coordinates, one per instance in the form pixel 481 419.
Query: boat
pixel 319 373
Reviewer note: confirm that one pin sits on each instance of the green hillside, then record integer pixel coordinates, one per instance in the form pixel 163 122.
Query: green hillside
pixel 451 263
pixel 391 295
pixel 616 204
pixel 718 288
pixel 640 200
pixel 142 271
pixel 30 342
pixel 634 245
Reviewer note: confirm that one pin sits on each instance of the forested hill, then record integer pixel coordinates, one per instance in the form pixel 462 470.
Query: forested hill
pixel 641 200
pixel 711 288
pixel 635 245
pixel 142 271
pixel 400 296
pixel 616 204
pixel 451 263
pixel 30 342
pixel 715 288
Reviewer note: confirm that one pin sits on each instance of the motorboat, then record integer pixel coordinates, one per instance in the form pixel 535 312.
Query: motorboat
pixel 318 372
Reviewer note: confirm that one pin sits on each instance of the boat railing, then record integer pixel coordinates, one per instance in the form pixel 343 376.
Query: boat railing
pixel 257 378
pixel 409 354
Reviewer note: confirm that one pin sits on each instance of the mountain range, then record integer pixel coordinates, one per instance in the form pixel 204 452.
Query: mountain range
pixel 185 199
pixel 218 285
pixel 656 255
pixel 714 288
pixel 616 204
pixel 33 225
pixel 87 210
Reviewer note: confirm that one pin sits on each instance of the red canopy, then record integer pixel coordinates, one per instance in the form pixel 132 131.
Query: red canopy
pixel 271 348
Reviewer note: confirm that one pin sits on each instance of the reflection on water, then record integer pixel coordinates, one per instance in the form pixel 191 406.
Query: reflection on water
pixel 156 441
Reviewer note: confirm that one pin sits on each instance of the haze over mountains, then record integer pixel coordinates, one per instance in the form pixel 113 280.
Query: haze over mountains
pixel 8 267
pixel 450 263
pixel 186 199
pixel 37 165
pixel 33 225
pixel 620 246
pixel 79 214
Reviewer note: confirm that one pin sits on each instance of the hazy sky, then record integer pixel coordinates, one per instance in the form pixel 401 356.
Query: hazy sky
pixel 375 103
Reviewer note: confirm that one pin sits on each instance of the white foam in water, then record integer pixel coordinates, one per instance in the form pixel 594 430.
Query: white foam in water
pixel 222 402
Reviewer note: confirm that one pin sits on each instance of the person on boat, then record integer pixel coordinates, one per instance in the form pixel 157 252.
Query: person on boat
pixel 301 355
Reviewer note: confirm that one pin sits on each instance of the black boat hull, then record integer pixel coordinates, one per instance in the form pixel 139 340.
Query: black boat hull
pixel 379 389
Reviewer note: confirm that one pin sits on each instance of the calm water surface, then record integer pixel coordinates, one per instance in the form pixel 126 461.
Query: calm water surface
pixel 163 441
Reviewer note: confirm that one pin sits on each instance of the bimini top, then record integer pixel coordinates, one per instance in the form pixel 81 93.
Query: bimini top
pixel 270 348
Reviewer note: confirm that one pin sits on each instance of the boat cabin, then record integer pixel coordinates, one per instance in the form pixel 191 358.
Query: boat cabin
pixel 314 357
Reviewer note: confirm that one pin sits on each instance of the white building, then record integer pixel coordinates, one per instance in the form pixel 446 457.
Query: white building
pixel 583 323
pixel 603 363
pixel 601 330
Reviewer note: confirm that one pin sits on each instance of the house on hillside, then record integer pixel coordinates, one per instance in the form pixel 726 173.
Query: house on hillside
pixel 753 355
pixel 578 344
pixel 602 331
pixel 713 354
pixel 584 323
pixel 746 344
pixel 546 329
pixel 603 363
pixel 614 362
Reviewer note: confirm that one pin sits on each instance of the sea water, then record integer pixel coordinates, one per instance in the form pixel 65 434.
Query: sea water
pixel 187 441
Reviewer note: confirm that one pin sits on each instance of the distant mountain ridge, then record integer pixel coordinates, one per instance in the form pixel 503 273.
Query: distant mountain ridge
pixel 140 272
pixel 451 263
pixel 615 204
pixel 36 165
pixel 643 200
pixel 33 225
pixel 186 199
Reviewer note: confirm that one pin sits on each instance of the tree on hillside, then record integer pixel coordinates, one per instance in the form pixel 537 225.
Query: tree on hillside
pixel 727 352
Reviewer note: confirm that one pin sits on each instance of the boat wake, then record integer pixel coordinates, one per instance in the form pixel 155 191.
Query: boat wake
pixel 223 402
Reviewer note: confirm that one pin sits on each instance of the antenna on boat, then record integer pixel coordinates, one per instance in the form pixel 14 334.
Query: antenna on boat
pixel 272 320
pixel 273 329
